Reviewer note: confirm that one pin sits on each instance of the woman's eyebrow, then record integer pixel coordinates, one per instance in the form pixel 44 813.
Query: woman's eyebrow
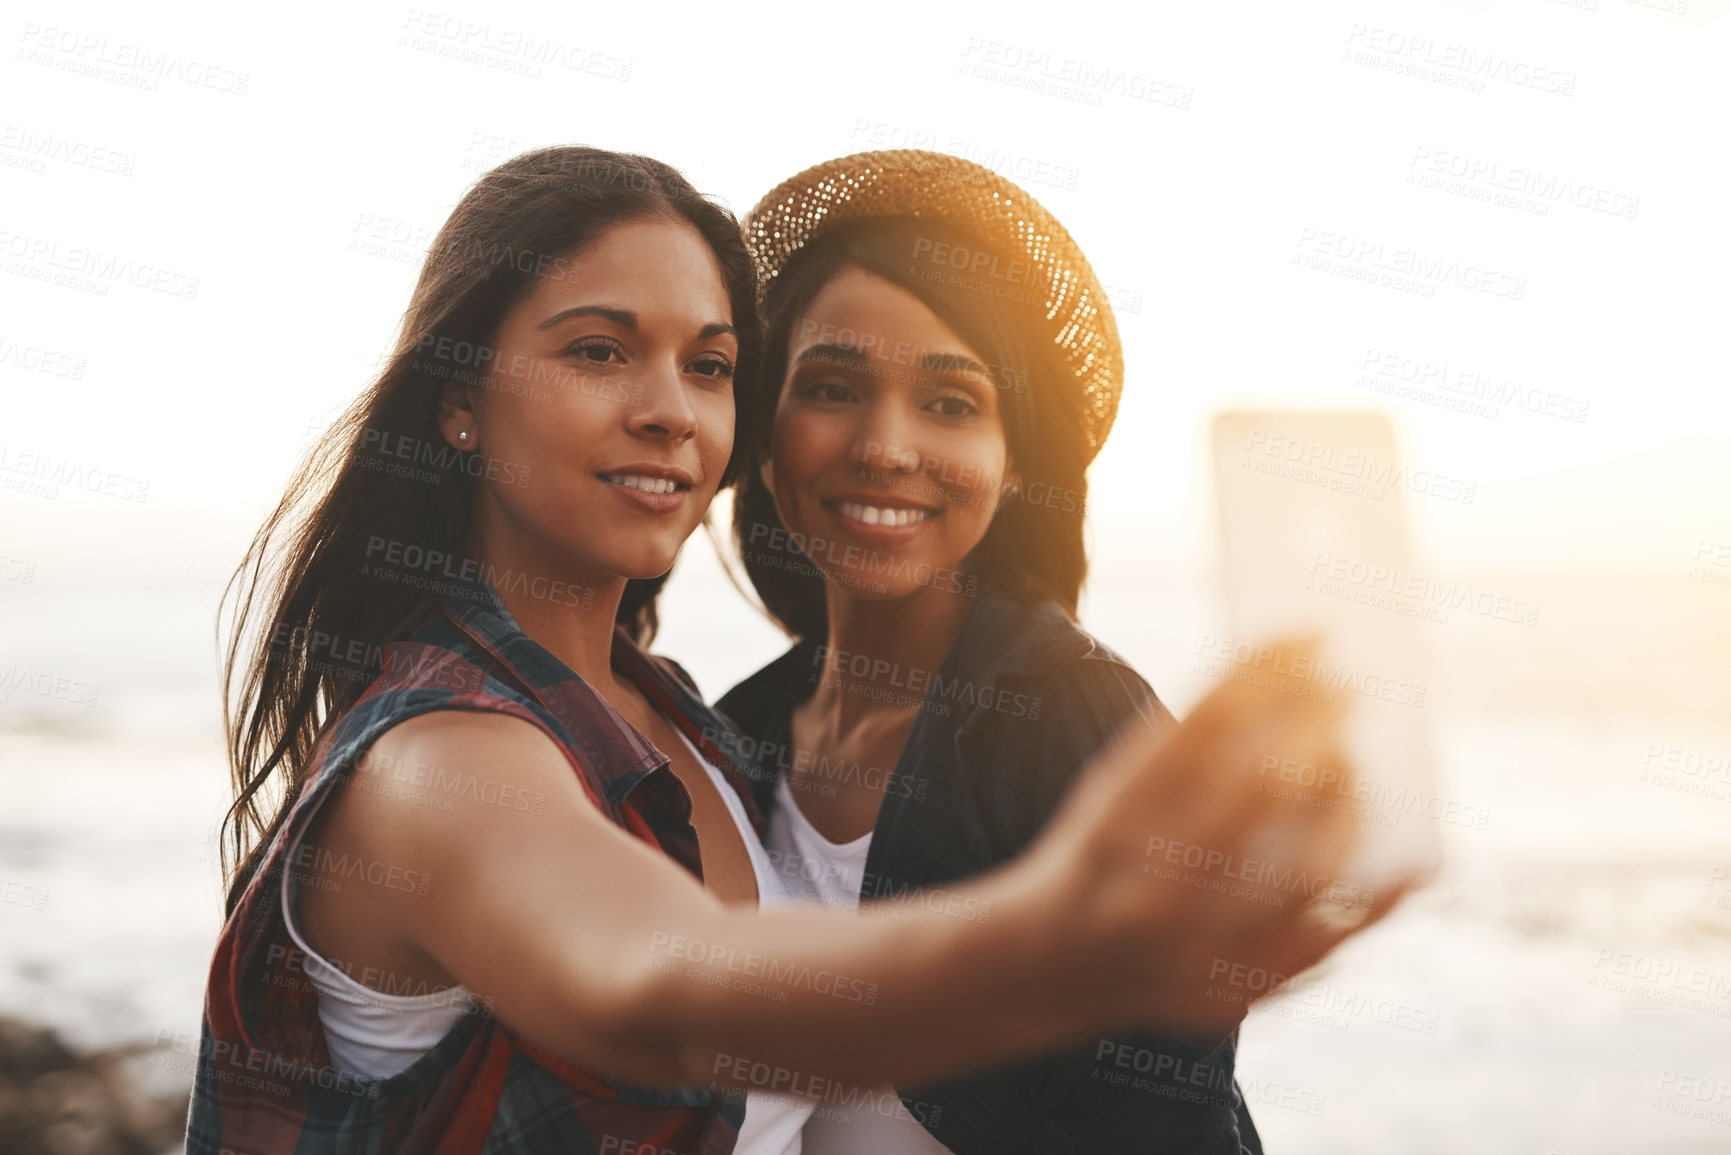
pixel 624 318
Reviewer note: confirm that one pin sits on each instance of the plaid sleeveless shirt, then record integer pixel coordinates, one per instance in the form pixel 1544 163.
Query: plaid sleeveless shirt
pixel 264 1082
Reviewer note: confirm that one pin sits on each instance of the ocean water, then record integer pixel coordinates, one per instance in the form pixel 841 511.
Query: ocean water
pixel 1564 986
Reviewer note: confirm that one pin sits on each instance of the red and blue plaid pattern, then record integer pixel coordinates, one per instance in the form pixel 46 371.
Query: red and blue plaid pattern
pixel 265 1084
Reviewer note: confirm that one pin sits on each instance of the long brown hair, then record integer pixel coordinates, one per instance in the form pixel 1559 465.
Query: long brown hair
pixel 305 627
pixel 1034 549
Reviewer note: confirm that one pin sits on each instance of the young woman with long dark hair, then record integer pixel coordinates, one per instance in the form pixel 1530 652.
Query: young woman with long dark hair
pixel 947 366
pixel 496 881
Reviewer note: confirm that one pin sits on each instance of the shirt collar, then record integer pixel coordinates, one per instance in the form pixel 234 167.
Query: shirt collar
pixel 1004 636
pixel 623 756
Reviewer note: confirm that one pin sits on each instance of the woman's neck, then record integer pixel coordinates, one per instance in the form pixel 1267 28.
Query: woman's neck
pixel 878 652
pixel 568 612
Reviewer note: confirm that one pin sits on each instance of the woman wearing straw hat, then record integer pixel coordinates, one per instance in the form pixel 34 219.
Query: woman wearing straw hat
pixel 947 366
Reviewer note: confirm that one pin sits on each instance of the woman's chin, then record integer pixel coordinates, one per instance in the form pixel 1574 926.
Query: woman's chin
pixel 645 567
pixel 868 587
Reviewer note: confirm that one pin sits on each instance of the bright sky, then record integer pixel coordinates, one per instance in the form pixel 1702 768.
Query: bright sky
pixel 1201 154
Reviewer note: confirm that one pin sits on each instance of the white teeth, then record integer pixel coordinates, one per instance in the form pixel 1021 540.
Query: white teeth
pixel 877 515
pixel 639 481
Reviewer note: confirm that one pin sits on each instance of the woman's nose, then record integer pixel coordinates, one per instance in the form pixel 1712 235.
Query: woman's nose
pixel 659 405
pixel 886 443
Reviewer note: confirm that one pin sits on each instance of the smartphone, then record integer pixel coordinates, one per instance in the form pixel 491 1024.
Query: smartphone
pixel 1313 541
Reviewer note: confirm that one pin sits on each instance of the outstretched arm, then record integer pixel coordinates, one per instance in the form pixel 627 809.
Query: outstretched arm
pixel 607 953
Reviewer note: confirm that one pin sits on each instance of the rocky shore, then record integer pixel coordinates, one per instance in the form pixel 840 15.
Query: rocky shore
pixel 57 1101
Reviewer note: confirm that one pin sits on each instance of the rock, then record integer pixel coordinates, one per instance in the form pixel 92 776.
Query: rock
pixel 55 1101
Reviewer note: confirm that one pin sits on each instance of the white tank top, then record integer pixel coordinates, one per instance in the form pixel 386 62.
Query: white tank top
pixel 377 1035
pixel 850 1121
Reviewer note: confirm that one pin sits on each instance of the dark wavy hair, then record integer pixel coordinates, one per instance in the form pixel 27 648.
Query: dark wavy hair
pixel 1034 549
pixel 305 627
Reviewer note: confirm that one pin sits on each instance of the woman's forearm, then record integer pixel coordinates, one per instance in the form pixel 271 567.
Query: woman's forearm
pixel 798 998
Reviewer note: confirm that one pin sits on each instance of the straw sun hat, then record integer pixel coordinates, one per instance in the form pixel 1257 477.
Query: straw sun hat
pixel 970 197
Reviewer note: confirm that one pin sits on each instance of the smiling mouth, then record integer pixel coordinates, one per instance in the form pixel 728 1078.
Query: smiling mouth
pixel 881 515
pixel 644 482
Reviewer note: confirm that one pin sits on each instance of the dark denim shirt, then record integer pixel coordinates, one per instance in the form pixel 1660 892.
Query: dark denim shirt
pixel 1024 698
